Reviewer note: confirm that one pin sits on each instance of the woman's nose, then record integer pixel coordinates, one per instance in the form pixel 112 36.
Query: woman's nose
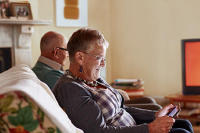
pixel 103 62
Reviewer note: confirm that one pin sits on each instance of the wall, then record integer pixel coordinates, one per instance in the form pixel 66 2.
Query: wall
pixel 98 18
pixel 146 37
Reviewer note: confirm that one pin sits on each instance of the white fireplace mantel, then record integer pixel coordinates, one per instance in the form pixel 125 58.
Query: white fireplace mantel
pixel 25 22
pixel 16 34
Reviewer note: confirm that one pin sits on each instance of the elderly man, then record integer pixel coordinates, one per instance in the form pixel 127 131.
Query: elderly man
pixel 53 57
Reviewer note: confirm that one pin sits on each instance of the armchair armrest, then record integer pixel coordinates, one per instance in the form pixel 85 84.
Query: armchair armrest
pixel 140 102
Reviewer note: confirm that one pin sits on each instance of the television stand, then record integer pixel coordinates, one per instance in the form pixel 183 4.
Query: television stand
pixel 190 108
pixel 175 98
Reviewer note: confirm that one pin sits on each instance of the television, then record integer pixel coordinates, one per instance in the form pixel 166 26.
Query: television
pixel 191 66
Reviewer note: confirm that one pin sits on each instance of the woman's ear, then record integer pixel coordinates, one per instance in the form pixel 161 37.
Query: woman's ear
pixel 79 57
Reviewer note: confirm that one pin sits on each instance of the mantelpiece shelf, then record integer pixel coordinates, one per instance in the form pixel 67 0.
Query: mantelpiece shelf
pixel 15 35
pixel 25 22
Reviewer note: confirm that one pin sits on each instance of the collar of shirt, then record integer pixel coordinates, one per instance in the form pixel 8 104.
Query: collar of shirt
pixel 50 63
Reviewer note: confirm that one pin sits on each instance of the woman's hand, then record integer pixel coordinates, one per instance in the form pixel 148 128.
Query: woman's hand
pixel 161 125
pixel 164 111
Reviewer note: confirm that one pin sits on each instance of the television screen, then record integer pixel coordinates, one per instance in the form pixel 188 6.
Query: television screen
pixel 191 66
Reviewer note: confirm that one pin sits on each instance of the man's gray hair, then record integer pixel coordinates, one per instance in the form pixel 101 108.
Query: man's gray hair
pixel 50 40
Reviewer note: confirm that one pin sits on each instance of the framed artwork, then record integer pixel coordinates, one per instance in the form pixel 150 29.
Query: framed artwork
pixel 4 8
pixel 71 13
pixel 21 10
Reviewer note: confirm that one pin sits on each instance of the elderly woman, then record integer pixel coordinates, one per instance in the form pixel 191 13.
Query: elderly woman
pixel 93 105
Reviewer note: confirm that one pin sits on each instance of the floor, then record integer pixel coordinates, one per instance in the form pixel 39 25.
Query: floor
pixel 196 129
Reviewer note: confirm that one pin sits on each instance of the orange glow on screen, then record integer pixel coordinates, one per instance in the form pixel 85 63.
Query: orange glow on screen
pixel 192 63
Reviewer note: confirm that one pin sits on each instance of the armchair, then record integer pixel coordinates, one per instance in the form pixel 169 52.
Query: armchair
pixel 28 105
pixel 140 102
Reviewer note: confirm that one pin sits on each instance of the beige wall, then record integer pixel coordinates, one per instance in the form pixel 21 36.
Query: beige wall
pixel 98 18
pixel 144 37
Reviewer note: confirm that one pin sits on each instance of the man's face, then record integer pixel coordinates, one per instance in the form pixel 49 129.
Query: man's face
pixel 94 60
pixel 62 53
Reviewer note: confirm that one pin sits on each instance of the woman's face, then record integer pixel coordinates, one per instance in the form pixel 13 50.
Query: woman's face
pixel 93 61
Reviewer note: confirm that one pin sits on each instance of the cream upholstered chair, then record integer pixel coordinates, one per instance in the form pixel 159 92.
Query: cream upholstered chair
pixel 28 105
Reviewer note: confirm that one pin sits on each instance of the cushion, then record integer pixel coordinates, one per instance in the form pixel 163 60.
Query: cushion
pixel 20 114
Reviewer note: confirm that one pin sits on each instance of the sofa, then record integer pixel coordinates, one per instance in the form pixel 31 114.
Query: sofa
pixel 27 105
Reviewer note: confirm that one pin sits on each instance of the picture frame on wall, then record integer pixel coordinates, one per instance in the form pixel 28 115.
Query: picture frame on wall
pixel 21 10
pixel 4 8
pixel 71 13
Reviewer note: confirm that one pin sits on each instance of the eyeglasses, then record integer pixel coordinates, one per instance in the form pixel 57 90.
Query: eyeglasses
pixel 98 57
pixel 62 48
